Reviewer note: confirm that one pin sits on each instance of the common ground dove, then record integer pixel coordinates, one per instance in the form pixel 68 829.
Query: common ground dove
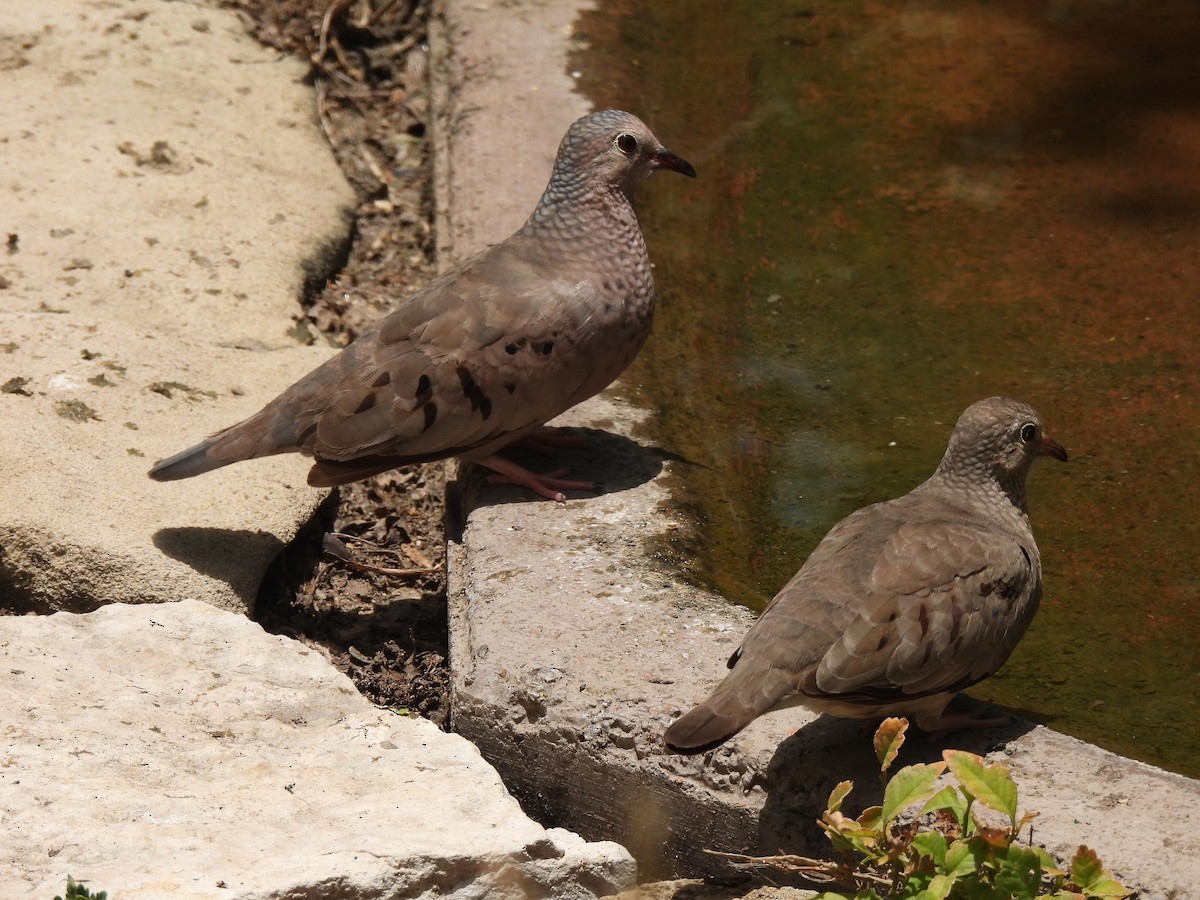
pixel 904 602
pixel 486 354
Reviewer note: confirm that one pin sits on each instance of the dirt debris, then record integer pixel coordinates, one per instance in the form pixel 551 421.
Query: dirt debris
pixel 365 582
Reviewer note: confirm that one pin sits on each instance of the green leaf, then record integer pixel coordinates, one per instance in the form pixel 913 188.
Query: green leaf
pixel 77 891
pixel 939 888
pixel 977 889
pixel 910 883
pixel 840 842
pixel 960 859
pixel 947 798
pixel 1108 887
pixel 931 844
pixel 990 784
pixel 911 785
pixel 889 738
pixel 1049 864
pixel 1086 868
pixel 1020 872
pixel 1090 876
pixel 837 795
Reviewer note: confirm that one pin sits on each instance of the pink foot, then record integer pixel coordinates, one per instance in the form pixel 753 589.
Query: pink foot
pixel 550 486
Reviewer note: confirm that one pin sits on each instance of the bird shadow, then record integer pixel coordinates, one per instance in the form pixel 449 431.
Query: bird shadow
pixel 224 554
pixel 809 764
pixel 613 462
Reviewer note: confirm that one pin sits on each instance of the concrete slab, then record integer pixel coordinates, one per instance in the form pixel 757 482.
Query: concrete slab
pixel 573 645
pixel 158 238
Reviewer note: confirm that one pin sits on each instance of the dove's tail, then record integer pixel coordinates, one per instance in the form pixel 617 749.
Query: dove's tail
pixel 193 461
pixel 269 431
pixel 746 693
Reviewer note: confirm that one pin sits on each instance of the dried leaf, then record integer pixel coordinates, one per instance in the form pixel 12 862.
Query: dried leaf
pixel 837 795
pixel 413 553
pixel 889 738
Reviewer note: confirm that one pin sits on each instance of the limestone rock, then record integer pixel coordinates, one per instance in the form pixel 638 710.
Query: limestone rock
pixel 180 751
pixel 169 194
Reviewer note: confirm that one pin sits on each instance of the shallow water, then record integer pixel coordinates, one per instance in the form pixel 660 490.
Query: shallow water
pixel 903 208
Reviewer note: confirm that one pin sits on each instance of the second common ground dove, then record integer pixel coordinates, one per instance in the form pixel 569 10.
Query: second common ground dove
pixel 489 352
pixel 903 603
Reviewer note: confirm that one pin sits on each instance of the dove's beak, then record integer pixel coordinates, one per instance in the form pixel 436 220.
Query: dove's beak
pixel 665 159
pixel 1047 446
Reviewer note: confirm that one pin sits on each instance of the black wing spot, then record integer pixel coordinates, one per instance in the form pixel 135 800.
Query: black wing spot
pixel 473 392
pixel 546 347
pixel 367 402
pixel 430 415
pixel 510 387
pixel 384 379
pixel 424 388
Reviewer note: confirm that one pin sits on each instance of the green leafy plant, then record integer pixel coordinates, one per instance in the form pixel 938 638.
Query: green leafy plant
pixel 927 842
pixel 77 891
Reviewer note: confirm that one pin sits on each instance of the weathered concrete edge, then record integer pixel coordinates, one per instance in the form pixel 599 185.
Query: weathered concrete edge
pixel 588 754
pixel 571 650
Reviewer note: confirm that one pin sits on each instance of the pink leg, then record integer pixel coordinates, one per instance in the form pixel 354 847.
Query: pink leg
pixel 549 486
pixel 546 440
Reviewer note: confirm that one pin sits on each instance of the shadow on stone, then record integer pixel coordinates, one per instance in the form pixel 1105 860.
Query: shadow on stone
pixel 238 557
pixel 614 462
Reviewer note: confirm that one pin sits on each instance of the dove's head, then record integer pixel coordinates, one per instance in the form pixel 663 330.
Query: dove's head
pixel 997 440
pixel 610 149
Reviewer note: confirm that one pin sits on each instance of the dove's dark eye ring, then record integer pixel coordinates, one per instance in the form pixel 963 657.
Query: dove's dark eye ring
pixel 626 143
pixel 1029 432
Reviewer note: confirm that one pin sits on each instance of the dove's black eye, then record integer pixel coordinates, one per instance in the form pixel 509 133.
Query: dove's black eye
pixel 1029 432
pixel 627 144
